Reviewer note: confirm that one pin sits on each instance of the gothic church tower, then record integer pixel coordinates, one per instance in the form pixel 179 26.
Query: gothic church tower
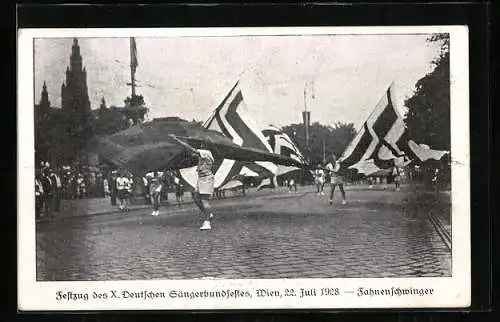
pixel 74 92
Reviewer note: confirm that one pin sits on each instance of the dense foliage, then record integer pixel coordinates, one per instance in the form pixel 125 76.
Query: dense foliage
pixel 324 140
pixel 428 117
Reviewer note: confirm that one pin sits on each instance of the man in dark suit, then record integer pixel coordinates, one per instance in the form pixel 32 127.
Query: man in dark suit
pixel 48 192
pixel 39 195
pixel 112 187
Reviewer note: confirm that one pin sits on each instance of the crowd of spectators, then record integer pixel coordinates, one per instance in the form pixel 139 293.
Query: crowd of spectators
pixel 56 183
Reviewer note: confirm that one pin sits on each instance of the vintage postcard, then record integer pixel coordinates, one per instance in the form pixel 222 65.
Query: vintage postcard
pixel 243 168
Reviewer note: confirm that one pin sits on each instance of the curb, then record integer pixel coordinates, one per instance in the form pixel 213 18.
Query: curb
pixel 443 233
pixel 107 212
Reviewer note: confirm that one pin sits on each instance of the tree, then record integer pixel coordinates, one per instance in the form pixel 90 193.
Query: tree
pixel 428 117
pixel 111 120
pixel 323 140
pixel 197 123
pixel 55 139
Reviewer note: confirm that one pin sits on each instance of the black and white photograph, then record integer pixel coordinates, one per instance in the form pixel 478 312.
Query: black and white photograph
pixel 243 168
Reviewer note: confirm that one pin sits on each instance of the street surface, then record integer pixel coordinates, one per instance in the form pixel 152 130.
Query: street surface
pixel 379 233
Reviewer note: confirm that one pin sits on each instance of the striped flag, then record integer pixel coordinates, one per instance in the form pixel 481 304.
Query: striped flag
pixel 282 144
pixel 382 142
pixel 375 146
pixel 231 119
pixel 423 152
pixel 133 55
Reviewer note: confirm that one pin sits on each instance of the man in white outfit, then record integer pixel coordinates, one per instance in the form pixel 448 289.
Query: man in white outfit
pixel 123 193
pixel 336 179
pixel 319 178
pixel 205 184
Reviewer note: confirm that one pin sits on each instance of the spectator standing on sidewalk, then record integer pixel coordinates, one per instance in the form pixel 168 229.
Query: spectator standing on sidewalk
pixel 179 190
pixel 81 186
pixel 105 186
pixel 56 189
pixel 292 185
pixel 112 187
pixel 39 195
pixel 48 192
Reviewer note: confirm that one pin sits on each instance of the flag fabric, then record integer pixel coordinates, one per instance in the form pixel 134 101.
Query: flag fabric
pixel 231 119
pixel 375 146
pixel 148 147
pixel 268 183
pixel 382 142
pixel 231 185
pixel 134 63
pixel 282 144
pixel 423 152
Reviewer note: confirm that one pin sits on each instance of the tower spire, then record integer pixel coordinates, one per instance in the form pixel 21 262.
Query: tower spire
pixel 44 100
pixel 76 57
pixel 74 91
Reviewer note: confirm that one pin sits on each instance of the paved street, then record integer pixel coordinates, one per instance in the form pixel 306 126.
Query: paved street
pixel 263 235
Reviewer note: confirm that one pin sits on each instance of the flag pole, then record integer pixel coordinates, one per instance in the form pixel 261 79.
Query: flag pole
pixel 133 62
pixel 324 156
pixel 306 121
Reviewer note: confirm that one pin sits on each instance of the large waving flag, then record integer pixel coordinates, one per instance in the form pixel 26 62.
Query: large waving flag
pixel 231 119
pixel 382 141
pixel 281 144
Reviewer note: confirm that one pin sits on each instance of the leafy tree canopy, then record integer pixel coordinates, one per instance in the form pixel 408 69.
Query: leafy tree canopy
pixel 428 117
pixel 324 140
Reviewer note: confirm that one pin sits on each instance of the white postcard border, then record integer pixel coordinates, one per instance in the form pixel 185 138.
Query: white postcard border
pixel 447 291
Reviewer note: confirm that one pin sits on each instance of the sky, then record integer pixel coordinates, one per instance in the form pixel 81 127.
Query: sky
pixel 189 76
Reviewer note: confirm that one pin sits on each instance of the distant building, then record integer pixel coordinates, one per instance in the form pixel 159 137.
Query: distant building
pixel 44 103
pixel 74 91
pixel 63 135
pixel 44 106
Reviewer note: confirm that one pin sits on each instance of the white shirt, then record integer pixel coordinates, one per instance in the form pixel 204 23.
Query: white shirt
pixel 122 183
pixel 58 181
pixel 206 154
pixel 205 163
pixel 319 173
pixel 333 168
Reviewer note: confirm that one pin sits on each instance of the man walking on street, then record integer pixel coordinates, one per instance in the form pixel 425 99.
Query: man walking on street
pixel 319 178
pixel 122 187
pixel 155 187
pixel 396 173
pixel 336 179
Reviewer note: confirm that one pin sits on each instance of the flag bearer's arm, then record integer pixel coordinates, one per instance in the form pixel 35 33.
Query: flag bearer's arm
pixel 184 144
